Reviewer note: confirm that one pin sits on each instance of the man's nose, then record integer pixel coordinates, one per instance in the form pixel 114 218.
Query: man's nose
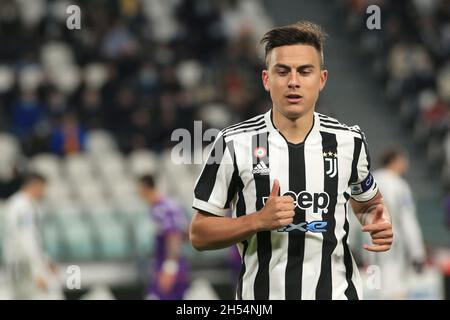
pixel 294 82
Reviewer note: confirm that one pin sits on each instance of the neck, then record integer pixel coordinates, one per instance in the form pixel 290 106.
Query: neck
pixel 154 198
pixel 294 130
pixel 28 193
pixel 394 170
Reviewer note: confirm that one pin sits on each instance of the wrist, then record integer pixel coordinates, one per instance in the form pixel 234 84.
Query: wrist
pixel 170 266
pixel 254 222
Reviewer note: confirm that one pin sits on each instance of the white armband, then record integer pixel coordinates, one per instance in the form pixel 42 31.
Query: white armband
pixel 170 266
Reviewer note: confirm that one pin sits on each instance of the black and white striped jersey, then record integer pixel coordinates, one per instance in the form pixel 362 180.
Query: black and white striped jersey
pixel 309 259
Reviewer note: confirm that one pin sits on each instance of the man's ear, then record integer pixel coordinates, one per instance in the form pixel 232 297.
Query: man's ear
pixel 265 79
pixel 323 79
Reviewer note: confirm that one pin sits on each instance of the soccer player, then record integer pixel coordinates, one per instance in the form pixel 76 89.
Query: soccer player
pixel 30 272
pixel 408 251
pixel 288 175
pixel 170 279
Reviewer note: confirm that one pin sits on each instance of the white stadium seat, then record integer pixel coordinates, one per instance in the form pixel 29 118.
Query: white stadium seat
pixel 9 146
pixel 47 164
pixel 100 142
pixel 79 168
pixel 142 162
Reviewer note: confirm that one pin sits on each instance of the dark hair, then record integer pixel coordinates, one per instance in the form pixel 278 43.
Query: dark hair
pixel 302 32
pixel 391 154
pixel 31 177
pixel 147 180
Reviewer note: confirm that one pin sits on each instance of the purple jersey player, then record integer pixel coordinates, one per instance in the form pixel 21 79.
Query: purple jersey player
pixel 170 274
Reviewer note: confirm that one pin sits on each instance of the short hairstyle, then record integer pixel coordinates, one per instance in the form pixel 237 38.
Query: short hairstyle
pixel 302 32
pixel 32 177
pixel 391 154
pixel 147 180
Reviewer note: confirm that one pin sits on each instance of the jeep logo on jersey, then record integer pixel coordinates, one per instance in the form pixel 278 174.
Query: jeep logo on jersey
pixel 305 200
pixel 314 226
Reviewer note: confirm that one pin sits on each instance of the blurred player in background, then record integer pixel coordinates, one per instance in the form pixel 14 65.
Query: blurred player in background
pixel 30 272
pixel 408 249
pixel 170 273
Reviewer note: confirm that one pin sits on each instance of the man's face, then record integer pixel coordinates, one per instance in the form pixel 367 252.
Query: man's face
pixel 143 191
pixel 403 164
pixel 294 79
pixel 39 189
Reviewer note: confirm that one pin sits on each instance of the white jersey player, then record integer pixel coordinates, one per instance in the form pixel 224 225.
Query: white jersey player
pixel 408 248
pixel 30 274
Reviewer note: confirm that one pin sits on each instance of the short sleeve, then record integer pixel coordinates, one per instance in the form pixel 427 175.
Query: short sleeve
pixel 174 220
pixel 214 188
pixel 363 185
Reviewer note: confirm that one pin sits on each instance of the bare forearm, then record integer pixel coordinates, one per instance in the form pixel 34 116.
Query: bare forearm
pixel 210 232
pixel 173 247
pixel 363 210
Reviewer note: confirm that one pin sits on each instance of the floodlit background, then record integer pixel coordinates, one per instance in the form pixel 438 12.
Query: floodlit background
pixel 139 69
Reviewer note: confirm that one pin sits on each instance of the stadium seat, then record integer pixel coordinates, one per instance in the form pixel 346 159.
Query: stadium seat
pixel 68 215
pixel 142 162
pixel 114 241
pixel 59 192
pixel 51 237
pixel 100 142
pixel 143 234
pixel 7 78
pixel 90 193
pixel 95 75
pixel 9 146
pixel 79 240
pixel 46 164
pixel 122 191
pixel 78 167
pixel 113 167
pixel 75 231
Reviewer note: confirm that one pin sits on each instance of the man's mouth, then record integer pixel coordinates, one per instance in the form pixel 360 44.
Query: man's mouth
pixel 294 98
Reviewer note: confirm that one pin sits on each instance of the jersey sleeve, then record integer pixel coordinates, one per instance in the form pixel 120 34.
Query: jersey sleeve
pixel 214 188
pixel 363 185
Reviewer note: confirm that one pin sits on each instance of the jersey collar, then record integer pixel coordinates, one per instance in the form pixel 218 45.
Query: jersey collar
pixel 312 137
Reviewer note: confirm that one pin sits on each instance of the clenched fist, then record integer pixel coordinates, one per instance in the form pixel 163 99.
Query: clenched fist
pixel 277 212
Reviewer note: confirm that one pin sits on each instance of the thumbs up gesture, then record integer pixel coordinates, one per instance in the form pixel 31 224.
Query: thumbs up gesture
pixel 277 211
pixel 380 229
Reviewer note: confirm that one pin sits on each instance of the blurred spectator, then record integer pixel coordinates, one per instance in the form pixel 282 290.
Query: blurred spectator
pixel 137 69
pixel 92 112
pixel 27 112
pixel 69 137
pixel 411 56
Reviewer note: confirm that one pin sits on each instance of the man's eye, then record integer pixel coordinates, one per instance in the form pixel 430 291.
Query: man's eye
pixel 282 73
pixel 305 73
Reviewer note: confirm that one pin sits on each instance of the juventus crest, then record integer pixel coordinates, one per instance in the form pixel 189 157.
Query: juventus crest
pixel 330 163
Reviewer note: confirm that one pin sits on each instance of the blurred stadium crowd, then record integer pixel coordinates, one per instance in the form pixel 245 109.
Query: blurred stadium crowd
pixel 138 69
pixel 93 109
pixel 411 58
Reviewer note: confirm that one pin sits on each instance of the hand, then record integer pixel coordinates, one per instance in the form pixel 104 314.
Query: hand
pixel 41 283
pixel 277 212
pixel 380 230
pixel 166 281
